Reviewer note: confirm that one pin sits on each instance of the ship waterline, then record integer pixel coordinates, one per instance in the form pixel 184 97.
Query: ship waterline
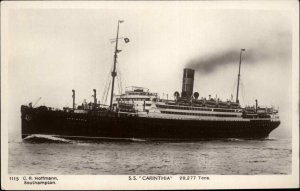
pixel 93 126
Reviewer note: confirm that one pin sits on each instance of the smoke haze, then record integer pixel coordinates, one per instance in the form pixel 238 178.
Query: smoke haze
pixel 274 49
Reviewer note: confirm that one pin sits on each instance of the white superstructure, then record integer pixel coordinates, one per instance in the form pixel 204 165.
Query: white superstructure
pixel 143 103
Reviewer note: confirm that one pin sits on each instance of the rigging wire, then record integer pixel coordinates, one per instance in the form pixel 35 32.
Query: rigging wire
pixel 234 87
pixel 119 85
pixel 104 91
pixel 108 85
pixel 106 88
pixel 119 79
pixel 107 92
pixel 67 104
pixel 242 92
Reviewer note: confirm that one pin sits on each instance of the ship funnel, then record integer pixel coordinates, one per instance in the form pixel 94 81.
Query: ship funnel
pixel 188 82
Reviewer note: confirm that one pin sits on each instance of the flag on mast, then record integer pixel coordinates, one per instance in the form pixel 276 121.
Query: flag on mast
pixel 121 21
pixel 126 40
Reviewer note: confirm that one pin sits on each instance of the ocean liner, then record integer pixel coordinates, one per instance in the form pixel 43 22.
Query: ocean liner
pixel 141 114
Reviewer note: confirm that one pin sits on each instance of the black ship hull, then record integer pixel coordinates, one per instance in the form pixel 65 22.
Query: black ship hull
pixel 110 126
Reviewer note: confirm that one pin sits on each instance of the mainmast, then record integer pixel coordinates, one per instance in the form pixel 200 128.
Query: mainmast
pixel 114 73
pixel 238 85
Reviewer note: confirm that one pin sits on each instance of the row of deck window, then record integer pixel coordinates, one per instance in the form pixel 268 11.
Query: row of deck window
pixel 183 108
pixel 199 114
pixel 224 110
pixel 133 99
pixel 193 108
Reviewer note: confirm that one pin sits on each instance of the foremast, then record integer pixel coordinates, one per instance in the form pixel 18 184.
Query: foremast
pixel 114 73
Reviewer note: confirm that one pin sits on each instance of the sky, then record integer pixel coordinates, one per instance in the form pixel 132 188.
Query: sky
pixel 51 51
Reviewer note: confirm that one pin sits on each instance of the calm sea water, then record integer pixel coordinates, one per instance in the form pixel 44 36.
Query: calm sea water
pixel 222 157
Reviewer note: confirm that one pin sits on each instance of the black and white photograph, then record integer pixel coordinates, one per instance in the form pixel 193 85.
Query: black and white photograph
pixel 149 94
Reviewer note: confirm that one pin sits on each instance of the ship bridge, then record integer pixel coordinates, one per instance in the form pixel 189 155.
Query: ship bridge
pixel 138 99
